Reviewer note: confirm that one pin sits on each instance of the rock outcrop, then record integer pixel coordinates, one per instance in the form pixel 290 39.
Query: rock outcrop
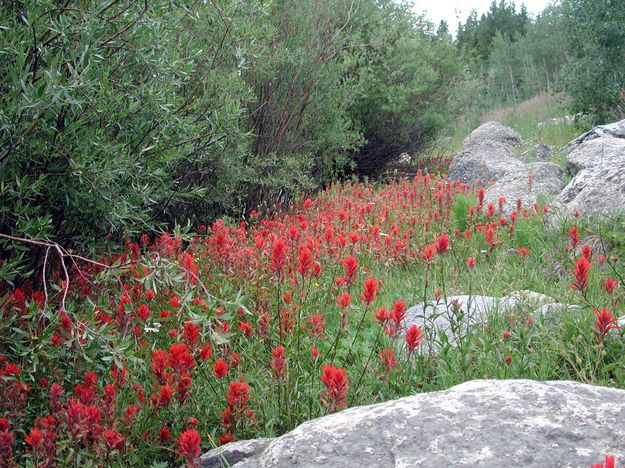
pixel 538 152
pixel 596 159
pixel 594 153
pixel 611 130
pixel 483 163
pixel 528 182
pixel 492 131
pixel 598 188
pixel 598 191
pixel 457 315
pixel 486 423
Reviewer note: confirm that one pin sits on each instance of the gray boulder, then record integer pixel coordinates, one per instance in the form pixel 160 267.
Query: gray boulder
pixel 554 309
pixel 483 162
pixel 486 423
pixel 492 131
pixel 538 152
pixel 612 130
pixel 454 317
pixel 239 454
pixel 593 153
pixel 547 180
pixel 457 315
pixel 597 191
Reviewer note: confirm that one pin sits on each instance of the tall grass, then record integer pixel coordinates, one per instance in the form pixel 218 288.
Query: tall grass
pixel 524 117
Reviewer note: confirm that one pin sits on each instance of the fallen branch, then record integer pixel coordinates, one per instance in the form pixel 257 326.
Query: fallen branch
pixel 62 253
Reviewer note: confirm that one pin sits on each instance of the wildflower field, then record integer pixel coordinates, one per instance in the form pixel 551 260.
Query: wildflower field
pixel 189 340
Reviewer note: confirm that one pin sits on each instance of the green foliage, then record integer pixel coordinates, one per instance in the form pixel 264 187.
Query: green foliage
pixel 460 211
pixel 115 117
pixel 403 75
pixel 476 36
pixel 596 78
pixel 520 58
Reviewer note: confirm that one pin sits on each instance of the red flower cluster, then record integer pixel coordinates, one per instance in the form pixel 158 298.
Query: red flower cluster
pixel 335 394
pixel 278 363
pixel 580 272
pixel 190 446
pixel 605 322
pixel 238 413
pixel 413 338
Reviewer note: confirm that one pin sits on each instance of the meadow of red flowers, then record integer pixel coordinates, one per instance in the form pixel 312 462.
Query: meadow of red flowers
pixel 187 341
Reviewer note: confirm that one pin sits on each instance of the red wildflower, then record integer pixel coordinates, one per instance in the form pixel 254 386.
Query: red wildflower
pixel 143 312
pixel 220 368
pixel 206 352
pixel 605 322
pixel 180 359
pixel 6 441
pixel 335 394
pixel 490 237
pixel 278 257
pixel 427 254
pixel 189 446
pixel 610 285
pixel 413 338
pixel 113 440
pixel 314 352
pixel 398 313
pixel 351 268
pixel 317 325
pixel 35 438
pixel 188 263
pixel 305 260
pixel 574 237
pixel 164 435
pixel 524 251
pixel 381 315
pixel 344 300
pixel 609 463
pixel 587 252
pixel 278 363
pixel 471 263
pixel 287 297
pixel 191 332
pixel 580 272
pixel 235 360
pixel 164 395
pixel 442 244
pixel 508 359
pixel 388 359
pixel 245 328
pixel 159 363
pixel 370 288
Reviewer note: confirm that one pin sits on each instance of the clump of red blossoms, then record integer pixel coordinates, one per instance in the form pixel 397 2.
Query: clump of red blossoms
pixel 389 361
pixel 238 413
pixel 610 462
pixel 369 291
pixel 278 363
pixel 335 394
pixel 580 272
pixel 189 445
pixel 605 322
pixel 413 338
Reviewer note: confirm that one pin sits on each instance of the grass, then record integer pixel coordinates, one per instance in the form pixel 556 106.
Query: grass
pixel 524 118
